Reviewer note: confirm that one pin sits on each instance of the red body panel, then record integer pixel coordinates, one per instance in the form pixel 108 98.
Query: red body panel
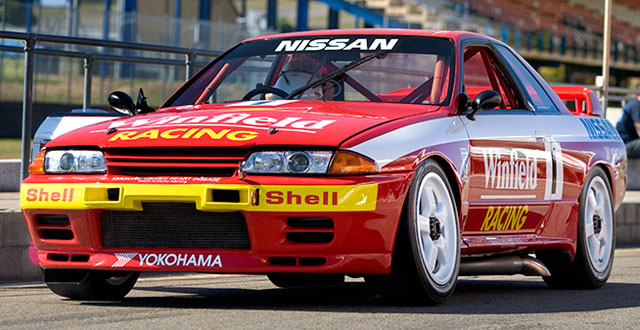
pixel 267 231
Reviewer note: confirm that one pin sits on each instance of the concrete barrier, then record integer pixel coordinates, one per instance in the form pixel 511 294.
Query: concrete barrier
pixel 633 174
pixel 15 264
pixel 9 175
pixel 628 225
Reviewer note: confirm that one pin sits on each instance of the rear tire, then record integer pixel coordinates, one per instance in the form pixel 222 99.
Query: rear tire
pixel 426 257
pixel 95 285
pixel 591 267
pixel 288 280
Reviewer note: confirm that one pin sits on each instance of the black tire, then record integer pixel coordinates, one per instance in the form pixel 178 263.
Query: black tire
pixel 411 280
pixel 93 285
pixel 289 280
pixel 586 271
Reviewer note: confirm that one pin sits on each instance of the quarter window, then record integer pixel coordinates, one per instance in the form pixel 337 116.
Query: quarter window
pixel 481 72
pixel 535 93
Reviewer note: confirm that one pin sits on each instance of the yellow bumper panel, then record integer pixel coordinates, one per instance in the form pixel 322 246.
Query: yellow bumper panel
pixel 268 198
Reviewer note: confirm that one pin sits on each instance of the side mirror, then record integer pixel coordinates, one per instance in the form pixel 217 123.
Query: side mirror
pixel 485 100
pixel 142 105
pixel 122 102
pixel 463 103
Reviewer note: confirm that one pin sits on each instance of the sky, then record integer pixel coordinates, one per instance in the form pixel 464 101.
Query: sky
pixel 53 3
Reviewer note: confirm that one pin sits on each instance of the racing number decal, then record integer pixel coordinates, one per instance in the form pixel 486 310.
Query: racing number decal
pixel 555 170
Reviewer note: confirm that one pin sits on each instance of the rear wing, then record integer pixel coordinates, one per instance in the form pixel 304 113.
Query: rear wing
pixel 580 100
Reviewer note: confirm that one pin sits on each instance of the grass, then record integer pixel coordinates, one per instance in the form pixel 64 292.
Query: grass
pixel 56 88
pixel 10 148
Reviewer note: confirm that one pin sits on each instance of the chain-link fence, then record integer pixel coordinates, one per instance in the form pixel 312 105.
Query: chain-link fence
pixel 60 79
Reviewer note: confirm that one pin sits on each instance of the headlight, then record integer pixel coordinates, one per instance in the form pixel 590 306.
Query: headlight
pixel 297 162
pixel 310 162
pixel 74 161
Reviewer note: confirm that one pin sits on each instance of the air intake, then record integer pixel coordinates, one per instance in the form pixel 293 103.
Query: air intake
pixel 174 225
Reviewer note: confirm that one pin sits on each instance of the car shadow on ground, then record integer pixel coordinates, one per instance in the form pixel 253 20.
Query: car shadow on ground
pixel 471 297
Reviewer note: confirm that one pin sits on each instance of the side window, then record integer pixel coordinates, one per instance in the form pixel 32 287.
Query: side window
pixel 536 94
pixel 480 73
pixel 475 74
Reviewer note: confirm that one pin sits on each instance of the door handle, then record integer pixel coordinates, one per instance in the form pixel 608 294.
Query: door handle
pixel 540 136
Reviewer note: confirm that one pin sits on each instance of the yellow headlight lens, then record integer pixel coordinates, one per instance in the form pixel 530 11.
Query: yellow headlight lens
pixel 345 162
pixel 37 166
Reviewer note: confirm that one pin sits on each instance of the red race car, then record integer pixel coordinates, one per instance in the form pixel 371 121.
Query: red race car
pixel 407 157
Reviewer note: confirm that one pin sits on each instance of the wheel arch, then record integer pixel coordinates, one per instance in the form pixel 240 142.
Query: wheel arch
pixel 608 171
pixel 450 173
pixel 454 183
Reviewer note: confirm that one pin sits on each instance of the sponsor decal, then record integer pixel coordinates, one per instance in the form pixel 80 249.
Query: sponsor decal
pixel 505 218
pixel 123 259
pixel 227 119
pixel 185 133
pixel 599 129
pixel 318 198
pixel 46 195
pixel 165 179
pixel 168 260
pixel 307 45
pixel 290 198
pixel 515 171
pixel 272 198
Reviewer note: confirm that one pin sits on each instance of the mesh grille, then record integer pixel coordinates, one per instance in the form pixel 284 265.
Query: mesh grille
pixel 174 225
pixel 174 161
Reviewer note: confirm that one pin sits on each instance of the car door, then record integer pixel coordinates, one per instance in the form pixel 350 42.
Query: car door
pixel 508 155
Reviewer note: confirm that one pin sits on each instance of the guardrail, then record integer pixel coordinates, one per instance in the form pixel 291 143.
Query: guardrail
pixel 30 49
pixel 618 94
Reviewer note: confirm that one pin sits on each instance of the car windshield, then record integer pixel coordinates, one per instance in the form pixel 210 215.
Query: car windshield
pixel 376 68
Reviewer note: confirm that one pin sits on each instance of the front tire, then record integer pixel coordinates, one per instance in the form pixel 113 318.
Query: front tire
pixel 596 240
pixel 92 285
pixel 426 258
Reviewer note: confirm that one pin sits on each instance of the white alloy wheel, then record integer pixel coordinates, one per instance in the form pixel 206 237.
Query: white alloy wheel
pixel 436 225
pixel 426 254
pixel 598 225
pixel 593 261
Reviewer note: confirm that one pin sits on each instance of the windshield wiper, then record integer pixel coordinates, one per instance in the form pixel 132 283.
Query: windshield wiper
pixel 336 73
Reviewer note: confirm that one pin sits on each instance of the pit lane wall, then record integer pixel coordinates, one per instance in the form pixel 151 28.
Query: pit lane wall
pixel 15 264
pixel 9 175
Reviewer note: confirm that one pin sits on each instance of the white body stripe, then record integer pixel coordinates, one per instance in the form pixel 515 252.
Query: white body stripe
pixel 515 127
pixel 507 196
pixel 405 140
pixel 553 190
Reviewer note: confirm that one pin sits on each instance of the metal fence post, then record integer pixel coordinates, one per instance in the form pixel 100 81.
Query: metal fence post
pixel 606 43
pixel 88 65
pixel 189 63
pixel 27 105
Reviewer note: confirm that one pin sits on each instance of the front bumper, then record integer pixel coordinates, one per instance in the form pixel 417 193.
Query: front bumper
pixel 364 212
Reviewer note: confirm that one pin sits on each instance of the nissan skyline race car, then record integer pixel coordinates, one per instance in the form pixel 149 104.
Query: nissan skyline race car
pixel 407 157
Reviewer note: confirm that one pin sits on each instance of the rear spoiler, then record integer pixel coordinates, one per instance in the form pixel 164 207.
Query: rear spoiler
pixel 579 100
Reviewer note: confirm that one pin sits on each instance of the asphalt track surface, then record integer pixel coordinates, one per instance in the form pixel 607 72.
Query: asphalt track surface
pixel 252 302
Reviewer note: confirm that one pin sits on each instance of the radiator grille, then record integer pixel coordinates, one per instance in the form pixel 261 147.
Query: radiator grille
pixel 174 161
pixel 174 225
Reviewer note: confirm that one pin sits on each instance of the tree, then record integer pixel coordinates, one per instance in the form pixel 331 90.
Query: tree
pixel 14 12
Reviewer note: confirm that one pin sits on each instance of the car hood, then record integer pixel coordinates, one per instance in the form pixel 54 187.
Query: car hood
pixel 242 124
